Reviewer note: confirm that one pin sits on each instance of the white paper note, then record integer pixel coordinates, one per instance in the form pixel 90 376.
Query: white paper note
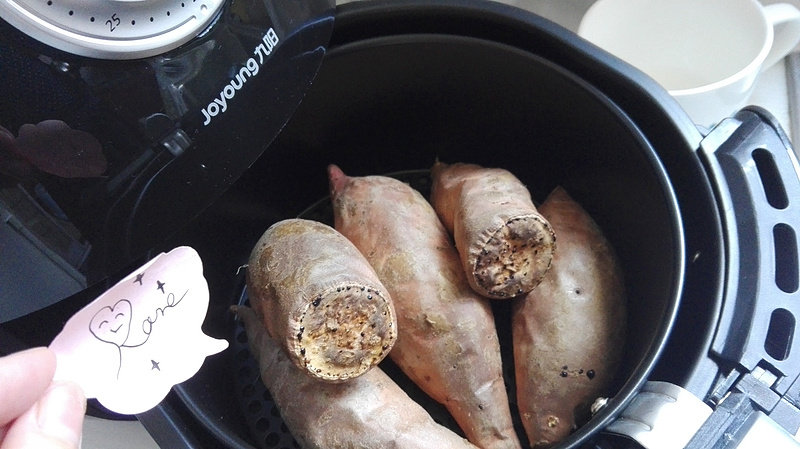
pixel 139 338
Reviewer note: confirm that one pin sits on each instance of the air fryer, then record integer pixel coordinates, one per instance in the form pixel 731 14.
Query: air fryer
pixel 703 220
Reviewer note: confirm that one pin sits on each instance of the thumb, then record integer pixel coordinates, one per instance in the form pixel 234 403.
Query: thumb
pixel 54 422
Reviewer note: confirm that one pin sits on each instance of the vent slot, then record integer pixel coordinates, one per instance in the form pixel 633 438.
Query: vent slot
pixel 787 270
pixel 779 335
pixel 770 179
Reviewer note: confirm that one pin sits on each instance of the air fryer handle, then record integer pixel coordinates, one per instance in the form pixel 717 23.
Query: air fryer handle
pixel 757 181
pixel 665 416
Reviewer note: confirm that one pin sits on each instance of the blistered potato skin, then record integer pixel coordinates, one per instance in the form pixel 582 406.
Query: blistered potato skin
pixel 568 333
pixel 367 412
pixel 447 343
pixel 505 245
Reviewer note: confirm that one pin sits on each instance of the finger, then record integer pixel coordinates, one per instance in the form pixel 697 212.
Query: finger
pixel 54 422
pixel 24 376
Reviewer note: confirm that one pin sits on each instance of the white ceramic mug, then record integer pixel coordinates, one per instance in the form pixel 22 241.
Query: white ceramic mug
pixel 706 53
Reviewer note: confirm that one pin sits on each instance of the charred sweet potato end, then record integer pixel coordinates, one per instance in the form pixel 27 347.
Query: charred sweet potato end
pixel 514 259
pixel 344 331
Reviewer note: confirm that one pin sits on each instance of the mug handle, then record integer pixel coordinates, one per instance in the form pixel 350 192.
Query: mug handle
pixel 785 21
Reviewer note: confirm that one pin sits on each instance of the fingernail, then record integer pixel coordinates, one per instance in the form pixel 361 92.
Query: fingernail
pixel 61 411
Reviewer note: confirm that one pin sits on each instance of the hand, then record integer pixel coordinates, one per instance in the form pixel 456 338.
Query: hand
pixel 35 411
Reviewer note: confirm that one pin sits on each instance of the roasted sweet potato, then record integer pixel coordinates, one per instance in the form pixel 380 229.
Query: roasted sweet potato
pixel 368 412
pixel 447 342
pixel 568 334
pixel 505 245
pixel 321 299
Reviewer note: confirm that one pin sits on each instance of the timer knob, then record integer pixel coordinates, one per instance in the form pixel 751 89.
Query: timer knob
pixel 111 29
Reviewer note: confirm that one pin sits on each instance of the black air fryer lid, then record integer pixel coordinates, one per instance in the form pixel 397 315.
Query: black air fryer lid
pixel 115 136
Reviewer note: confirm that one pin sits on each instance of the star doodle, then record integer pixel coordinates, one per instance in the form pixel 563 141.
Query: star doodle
pixel 139 278
pixel 160 286
pixel 155 365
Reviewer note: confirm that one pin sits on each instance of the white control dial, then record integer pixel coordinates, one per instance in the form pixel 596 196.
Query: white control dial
pixel 111 29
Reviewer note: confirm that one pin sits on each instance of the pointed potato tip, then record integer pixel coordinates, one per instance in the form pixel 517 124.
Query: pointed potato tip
pixel 336 178
pixel 437 167
pixel 559 193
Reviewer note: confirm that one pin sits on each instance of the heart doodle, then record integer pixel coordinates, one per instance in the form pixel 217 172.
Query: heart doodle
pixel 112 324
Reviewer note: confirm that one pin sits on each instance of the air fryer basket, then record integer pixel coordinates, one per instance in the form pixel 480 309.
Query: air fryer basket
pixel 397 103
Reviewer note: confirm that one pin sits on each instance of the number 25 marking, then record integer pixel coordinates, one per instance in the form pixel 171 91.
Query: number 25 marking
pixel 113 22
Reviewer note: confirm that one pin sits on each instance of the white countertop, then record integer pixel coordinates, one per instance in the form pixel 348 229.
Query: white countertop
pixel 105 434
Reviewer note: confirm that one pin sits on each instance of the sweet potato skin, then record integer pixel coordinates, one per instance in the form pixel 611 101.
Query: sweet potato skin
pixel 321 299
pixel 568 333
pixel 367 412
pixel 505 245
pixel 447 343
